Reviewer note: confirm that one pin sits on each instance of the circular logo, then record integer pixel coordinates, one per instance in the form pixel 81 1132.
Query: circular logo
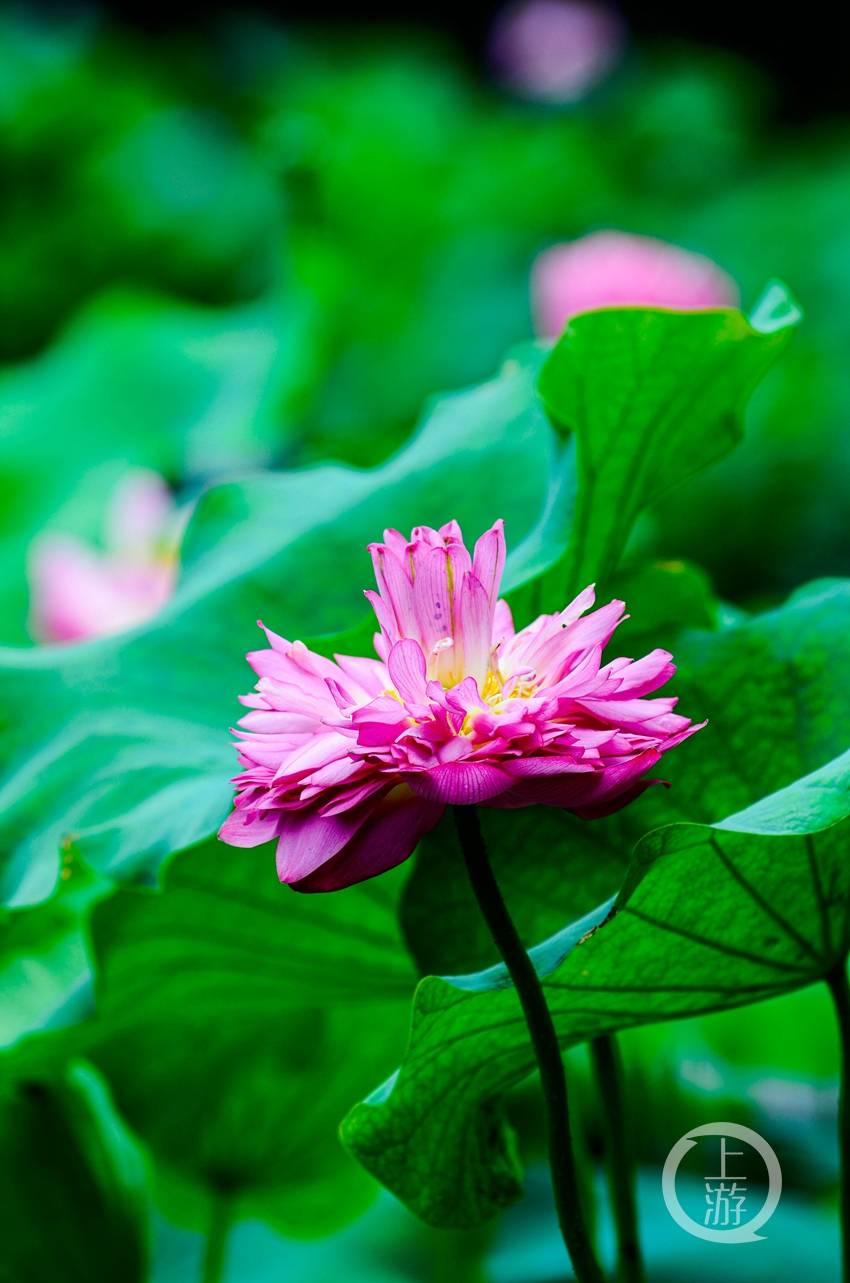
pixel 728 1217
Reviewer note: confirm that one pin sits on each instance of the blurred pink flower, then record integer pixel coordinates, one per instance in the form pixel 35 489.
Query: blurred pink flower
pixel 79 591
pixel 555 50
pixel 614 269
pixel 348 763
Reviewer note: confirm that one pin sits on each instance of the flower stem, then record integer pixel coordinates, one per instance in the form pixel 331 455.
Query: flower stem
pixel 565 1180
pixel 608 1066
pixel 218 1232
pixel 840 990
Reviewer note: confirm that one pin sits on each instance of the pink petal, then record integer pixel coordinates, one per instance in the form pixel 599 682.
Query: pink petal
pixel 474 628
pixel 275 640
pixel 565 791
pixel 407 669
pixel 317 751
pixel 538 767
pixel 503 622
pixel 337 772
pixel 488 561
pixel 460 783
pixel 308 840
pixel 594 629
pixel 384 615
pixel 268 722
pixel 616 801
pixel 465 696
pixel 353 796
pixel 396 542
pixel 646 715
pixel 452 532
pixel 389 835
pixel 369 674
pixel 396 588
pixel 644 676
pixel 433 596
pixel 245 828
pixel 578 605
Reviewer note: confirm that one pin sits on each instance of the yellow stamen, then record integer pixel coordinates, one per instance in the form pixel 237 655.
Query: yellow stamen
pixel 492 687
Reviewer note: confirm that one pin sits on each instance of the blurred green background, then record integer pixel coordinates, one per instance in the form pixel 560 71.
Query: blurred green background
pixel 249 244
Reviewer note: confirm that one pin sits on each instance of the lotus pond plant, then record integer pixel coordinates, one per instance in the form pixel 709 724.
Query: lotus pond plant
pixel 349 762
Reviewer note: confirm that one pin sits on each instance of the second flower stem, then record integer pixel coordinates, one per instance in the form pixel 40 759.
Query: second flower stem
pixel 218 1233
pixel 565 1180
pixel 608 1067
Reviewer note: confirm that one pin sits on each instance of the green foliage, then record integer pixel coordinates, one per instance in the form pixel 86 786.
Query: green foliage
pixel 271 991
pixel 787 486
pixel 350 225
pixel 44 957
pixel 75 1203
pixel 417 204
pixel 652 397
pixel 113 172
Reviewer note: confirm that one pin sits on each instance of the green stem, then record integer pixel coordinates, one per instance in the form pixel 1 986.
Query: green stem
pixel 565 1181
pixel 619 1153
pixel 840 990
pixel 458 1256
pixel 218 1233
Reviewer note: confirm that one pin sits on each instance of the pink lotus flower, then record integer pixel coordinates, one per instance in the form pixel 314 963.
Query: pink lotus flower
pixel 79 591
pixel 613 269
pixel 349 763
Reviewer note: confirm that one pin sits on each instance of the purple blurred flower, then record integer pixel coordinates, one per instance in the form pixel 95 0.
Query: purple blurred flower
pixel 555 50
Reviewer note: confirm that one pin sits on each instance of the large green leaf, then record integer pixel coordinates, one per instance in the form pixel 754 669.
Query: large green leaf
pixel 75 1204
pixel 652 397
pixel 235 1020
pixel 719 917
pixel 748 903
